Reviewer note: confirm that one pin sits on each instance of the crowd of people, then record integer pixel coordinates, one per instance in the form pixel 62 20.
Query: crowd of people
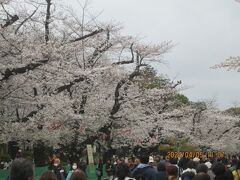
pixel 23 169
pixel 142 168
pixel 160 168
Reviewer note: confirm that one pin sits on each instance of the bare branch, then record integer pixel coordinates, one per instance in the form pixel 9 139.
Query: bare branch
pixel 100 50
pixel 25 20
pixel 127 62
pixel 87 35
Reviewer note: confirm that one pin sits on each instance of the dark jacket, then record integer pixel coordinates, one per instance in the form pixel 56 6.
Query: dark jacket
pixel 162 175
pixel 60 172
pixel 109 169
pixel 100 168
pixel 145 172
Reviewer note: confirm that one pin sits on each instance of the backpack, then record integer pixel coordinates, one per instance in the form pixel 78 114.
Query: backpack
pixel 140 173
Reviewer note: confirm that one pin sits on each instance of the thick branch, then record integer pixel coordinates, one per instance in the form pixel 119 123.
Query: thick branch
pixel 10 21
pixel 8 73
pixel 87 35
pixel 47 32
pixel 116 105
pixel 226 131
pixel 67 86
pixel 31 114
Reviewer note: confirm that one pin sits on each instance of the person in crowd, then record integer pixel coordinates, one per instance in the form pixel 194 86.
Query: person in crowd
pixel 109 169
pixel 99 169
pixel 19 154
pixel 236 170
pixel 122 172
pixel 116 162
pixel 210 173
pixel 172 172
pixel 48 175
pixel 190 172
pixel 51 161
pixel 78 175
pixel 83 165
pixel 151 161
pixel 201 176
pixel 58 170
pixel 219 170
pixel 202 168
pixel 183 163
pixel 131 163
pixel 144 170
pixel 196 160
pixel 174 161
pixel 21 169
pixel 73 168
pixel 188 175
pixel 157 159
pixel 161 174
pixel 191 166
pixel 229 174
pixel 136 162
pixel 204 159
pixel 234 162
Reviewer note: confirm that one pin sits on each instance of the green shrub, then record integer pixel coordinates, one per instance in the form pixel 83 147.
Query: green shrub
pixel 5 158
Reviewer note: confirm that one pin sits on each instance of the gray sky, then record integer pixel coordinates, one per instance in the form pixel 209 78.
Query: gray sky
pixel 206 32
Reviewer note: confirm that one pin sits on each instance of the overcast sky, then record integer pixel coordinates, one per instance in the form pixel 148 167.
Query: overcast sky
pixel 206 32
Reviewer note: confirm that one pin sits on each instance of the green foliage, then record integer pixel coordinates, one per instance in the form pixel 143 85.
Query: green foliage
pixel 234 111
pixel 174 144
pixel 149 79
pixel 5 158
pixel 28 154
pixel 199 105
pixel 182 99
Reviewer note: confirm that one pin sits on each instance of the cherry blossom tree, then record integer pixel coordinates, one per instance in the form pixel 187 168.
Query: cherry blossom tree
pixel 68 81
pixel 65 81
pixel 232 63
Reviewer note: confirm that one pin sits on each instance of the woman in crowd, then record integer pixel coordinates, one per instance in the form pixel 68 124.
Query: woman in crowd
pixel 48 175
pixel 123 172
pixel 74 168
pixel 99 169
pixel 78 175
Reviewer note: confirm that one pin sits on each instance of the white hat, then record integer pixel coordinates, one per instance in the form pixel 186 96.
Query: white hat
pixel 196 159
pixel 151 160
pixel 208 164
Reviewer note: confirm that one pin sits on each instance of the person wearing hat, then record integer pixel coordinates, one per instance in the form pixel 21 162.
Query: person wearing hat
pixel 151 161
pixel 144 170
pixel 196 160
pixel 210 173
pixel 19 154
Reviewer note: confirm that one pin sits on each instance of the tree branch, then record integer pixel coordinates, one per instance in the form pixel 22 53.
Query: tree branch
pixel 127 62
pixel 98 52
pixel 8 73
pixel 25 20
pixel 67 86
pixel 47 21
pixel 86 36
pixel 10 21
